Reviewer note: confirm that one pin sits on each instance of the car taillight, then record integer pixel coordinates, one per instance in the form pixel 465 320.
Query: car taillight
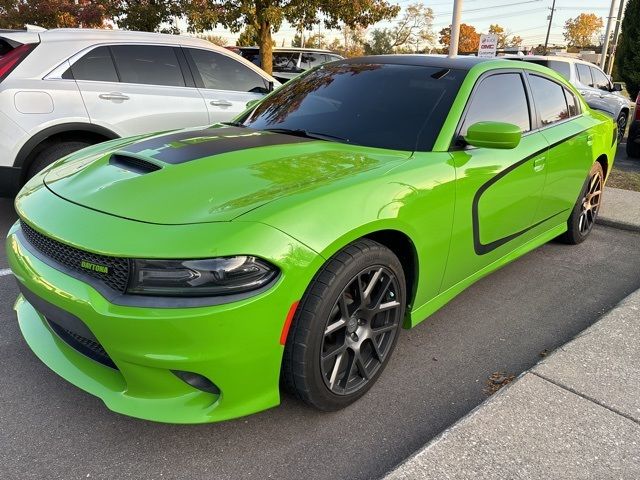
pixel 11 60
pixel 636 116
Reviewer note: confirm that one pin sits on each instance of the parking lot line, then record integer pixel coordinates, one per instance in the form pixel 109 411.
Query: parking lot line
pixel 4 271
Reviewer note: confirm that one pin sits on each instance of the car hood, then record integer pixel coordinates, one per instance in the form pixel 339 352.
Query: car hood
pixel 205 175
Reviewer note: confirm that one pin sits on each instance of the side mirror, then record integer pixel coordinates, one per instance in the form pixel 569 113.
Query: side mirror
pixel 493 135
pixel 617 87
pixel 251 103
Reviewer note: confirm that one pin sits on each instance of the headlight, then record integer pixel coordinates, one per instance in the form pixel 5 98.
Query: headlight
pixel 200 278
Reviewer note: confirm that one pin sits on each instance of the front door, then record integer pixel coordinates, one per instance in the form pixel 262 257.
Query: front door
pixel 225 83
pixel 498 192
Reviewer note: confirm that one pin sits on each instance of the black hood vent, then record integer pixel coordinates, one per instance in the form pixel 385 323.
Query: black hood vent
pixel 133 164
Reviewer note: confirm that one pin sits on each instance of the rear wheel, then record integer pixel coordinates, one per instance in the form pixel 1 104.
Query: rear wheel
pixel 586 209
pixel 346 326
pixel 52 153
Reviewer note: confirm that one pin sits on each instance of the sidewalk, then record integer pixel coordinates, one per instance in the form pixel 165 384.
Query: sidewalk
pixel 574 415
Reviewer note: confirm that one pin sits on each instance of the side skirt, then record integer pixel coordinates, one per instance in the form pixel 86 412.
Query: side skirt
pixel 421 313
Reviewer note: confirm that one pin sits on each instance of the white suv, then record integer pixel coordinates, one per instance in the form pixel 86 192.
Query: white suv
pixel 65 89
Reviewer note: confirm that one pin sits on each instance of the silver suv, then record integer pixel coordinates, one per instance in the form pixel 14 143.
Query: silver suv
pixel 594 85
pixel 65 89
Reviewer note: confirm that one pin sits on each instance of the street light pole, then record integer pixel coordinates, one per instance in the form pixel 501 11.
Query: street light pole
pixel 546 40
pixel 616 35
pixel 605 47
pixel 455 28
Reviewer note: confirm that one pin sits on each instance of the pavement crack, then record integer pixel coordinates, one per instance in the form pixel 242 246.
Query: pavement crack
pixel 587 397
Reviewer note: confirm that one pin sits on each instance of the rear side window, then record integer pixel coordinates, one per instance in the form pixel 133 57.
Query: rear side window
pixel 563 68
pixel 550 100
pixel 285 61
pixel 220 72
pixel 572 103
pixel 148 64
pixel 584 74
pixel 97 65
pixel 600 80
pixel 499 98
pixel 310 60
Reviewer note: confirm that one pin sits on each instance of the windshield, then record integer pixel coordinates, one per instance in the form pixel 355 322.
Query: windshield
pixel 400 107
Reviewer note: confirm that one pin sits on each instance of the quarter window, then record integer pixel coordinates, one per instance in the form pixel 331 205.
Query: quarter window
pixel 148 65
pixel 97 65
pixel 221 72
pixel 499 98
pixel 572 103
pixel 584 74
pixel 550 100
pixel 600 80
pixel 310 60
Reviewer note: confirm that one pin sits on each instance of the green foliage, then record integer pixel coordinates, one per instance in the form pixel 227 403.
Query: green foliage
pixel 628 54
pixel 248 37
pixel 216 40
pixel 53 13
pixel 147 15
pixel 411 33
pixel 381 42
pixel 317 40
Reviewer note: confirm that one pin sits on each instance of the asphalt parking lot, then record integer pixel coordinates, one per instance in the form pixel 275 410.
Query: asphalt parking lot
pixel 50 429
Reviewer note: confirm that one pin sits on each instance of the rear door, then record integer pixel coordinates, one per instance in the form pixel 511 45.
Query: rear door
pixel 225 83
pixel 134 89
pixel 566 130
pixel 498 192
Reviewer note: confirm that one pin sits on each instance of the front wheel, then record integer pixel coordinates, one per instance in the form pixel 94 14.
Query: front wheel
pixel 585 211
pixel 346 326
pixel 621 123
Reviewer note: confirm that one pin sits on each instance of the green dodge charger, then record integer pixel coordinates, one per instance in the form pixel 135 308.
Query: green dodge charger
pixel 187 276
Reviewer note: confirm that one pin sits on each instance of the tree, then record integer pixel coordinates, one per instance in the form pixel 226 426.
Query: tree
pixel 53 13
pixel 381 42
pixel 411 31
pixel 468 42
pixel 628 51
pixel 248 37
pixel 216 40
pixel 581 31
pixel 505 39
pixel 147 15
pixel 316 40
pixel 266 16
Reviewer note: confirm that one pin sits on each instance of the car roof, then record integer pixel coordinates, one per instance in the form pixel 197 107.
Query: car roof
pixel 559 58
pixel 105 34
pixel 438 61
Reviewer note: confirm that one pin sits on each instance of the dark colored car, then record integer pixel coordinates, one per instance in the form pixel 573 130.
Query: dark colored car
pixel 289 62
pixel 633 141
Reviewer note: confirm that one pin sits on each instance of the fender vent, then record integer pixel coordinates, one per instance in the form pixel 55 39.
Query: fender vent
pixel 133 164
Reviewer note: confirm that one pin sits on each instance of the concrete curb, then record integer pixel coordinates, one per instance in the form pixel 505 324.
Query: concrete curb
pixel 559 416
pixel 620 209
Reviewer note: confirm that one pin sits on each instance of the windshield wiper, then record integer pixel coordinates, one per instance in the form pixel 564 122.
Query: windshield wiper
pixel 300 132
pixel 234 124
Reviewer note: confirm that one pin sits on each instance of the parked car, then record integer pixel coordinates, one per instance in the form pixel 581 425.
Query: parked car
pixel 179 277
pixel 289 62
pixel 65 89
pixel 633 140
pixel 592 83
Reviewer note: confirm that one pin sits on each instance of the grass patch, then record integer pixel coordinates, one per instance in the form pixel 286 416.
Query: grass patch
pixel 624 180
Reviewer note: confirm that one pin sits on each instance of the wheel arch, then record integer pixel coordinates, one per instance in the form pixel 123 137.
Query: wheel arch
pixel 604 162
pixel 63 132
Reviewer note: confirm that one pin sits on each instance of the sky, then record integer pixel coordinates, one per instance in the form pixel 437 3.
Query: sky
pixel 527 18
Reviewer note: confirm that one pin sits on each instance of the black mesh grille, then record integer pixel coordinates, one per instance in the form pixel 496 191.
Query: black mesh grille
pixel 117 269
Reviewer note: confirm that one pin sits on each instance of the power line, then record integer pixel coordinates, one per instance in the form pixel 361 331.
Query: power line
pixel 492 6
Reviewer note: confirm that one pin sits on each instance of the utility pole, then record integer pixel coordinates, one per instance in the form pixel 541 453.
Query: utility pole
pixel 605 47
pixel 616 35
pixel 550 17
pixel 455 28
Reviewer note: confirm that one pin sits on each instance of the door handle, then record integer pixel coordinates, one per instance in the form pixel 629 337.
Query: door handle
pixel 538 164
pixel 221 103
pixel 113 96
pixel 583 92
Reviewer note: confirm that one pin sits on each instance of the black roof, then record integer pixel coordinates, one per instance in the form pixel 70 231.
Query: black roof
pixel 458 63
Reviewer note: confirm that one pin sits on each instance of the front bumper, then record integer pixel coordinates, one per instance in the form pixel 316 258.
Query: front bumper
pixel 234 345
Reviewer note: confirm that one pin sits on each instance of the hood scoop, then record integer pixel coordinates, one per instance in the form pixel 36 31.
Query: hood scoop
pixel 133 164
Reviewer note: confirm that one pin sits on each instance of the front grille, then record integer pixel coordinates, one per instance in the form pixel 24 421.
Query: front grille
pixel 87 346
pixel 117 269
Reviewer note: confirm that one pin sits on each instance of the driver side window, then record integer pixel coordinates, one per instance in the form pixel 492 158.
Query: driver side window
pixel 499 98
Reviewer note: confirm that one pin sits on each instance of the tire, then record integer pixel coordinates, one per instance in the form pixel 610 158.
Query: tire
pixel 334 296
pixel 585 211
pixel 621 124
pixel 633 147
pixel 52 153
